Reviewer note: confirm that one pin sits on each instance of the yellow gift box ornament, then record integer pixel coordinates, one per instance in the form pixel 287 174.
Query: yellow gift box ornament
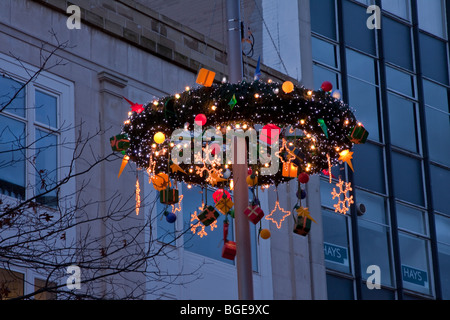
pixel 224 205
pixel 290 170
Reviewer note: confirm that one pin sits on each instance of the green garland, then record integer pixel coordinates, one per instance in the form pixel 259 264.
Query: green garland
pixel 325 123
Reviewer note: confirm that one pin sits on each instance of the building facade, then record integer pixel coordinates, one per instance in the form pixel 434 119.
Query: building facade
pixel 392 71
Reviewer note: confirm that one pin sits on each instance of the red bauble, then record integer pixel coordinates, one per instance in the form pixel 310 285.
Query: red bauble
pixel 327 86
pixel 200 120
pixel 303 177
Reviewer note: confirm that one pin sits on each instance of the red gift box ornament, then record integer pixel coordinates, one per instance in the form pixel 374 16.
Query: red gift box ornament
pixel 229 247
pixel 254 213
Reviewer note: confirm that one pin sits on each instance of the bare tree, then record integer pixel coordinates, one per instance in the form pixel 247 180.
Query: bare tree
pixel 52 230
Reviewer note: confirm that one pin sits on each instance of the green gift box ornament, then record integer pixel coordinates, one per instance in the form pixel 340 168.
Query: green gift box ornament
pixel 168 196
pixel 208 216
pixel 359 135
pixel 303 226
pixel 120 143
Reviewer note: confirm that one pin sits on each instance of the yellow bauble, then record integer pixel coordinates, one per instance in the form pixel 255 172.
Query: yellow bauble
pixel 288 87
pixel 159 137
pixel 252 180
pixel 161 181
pixel 264 234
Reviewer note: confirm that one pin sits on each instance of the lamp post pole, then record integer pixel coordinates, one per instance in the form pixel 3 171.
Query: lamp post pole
pixel 240 167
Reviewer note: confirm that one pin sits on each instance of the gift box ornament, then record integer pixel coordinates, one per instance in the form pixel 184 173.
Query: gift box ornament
pixel 290 170
pixel 359 135
pixel 254 213
pixel 168 196
pixel 229 250
pixel 299 156
pixel 208 216
pixel 224 205
pixel 119 143
pixel 205 77
pixel 303 225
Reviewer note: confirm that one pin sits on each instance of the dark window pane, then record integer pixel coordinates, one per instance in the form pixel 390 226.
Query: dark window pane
pixel 46 168
pixel 323 74
pixel 436 96
pixel 8 89
pixel 369 167
pixel 324 52
pixel 375 294
pixel 408 183
pixel 434 58
pixel 339 288
pixel 444 266
pixel 12 157
pixel 375 206
pixel 46 295
pixel 400 81
pixel 411 219
pixel 397 43
pixel 361 66
pixel 374 248
pixel 336 246
pixel 438 131
pixel 46 109
pixel 440 186
pixel 402 122
pixel 363 98
pixel 356 33
pixel 323 18
pixel 414 255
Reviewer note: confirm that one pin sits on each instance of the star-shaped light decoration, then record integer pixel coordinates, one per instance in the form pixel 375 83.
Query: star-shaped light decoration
pixel 278 209
pixel 304 212
pixel 347 156
pixel 135 107
pixel 175 210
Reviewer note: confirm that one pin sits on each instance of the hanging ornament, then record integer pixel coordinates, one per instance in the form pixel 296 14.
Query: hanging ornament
pixel 123 165
pixel 254 213
pixel 233 102
pixel 252 180
pixel 327 86
pixel 277 210
pixel 170 217
pixel 219 194
pixel 323 126
pixel 208 215
pixel 138 196
pixel 227 174
pixel 270 133
pixel 301 194
pixel 290 170
pixel 303 178
pixel 159 137
pixel 205 77
pixel 336 94
pixel 264 234
pixel 200 119
pixel 287 87
pixel 160 181
pixel 229 247
pixel 176 168
pixel 119 143
pixel 346 156
pixel 138 108
pixel 224 205
pixel 168 196
pixel 359 134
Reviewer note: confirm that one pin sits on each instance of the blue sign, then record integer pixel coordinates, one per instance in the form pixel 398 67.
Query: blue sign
pixel 416 276
pixel 335 254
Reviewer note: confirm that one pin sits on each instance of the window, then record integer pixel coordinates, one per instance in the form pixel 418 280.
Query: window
pixel 361 38
pixel 398 7
pixel 440 178
pixel 11 284
pixel 398 43
pixel 369 167
pixel 408 181
pixel 443 238
pixel 323 20
pixel 46 295
pixel 433 54
pixel 39 118
pixel 432 16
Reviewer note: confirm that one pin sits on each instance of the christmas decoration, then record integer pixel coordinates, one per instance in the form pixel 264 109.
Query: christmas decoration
pixel 200 119
pixel 267 132
pixel 303 178
pixel 168 196
pixel 224 205
pixel 344 200
pixel 327 86
pixel 170 217
pixel 290 170
pixel 302 225
pixel 159 137
pixel 123 165
pixel 359 135
pixel 160 181
pixel 347 156
pixel 119 143
pixel 288 87
pixel 138 108
pixel 205 77
pixel 254 213
pixel 252 180
pixel 197 224
pixel 280 211
pixel 229 247
pixel 138 197
pixel 264 234
pixel 219 194
pixel 208 215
